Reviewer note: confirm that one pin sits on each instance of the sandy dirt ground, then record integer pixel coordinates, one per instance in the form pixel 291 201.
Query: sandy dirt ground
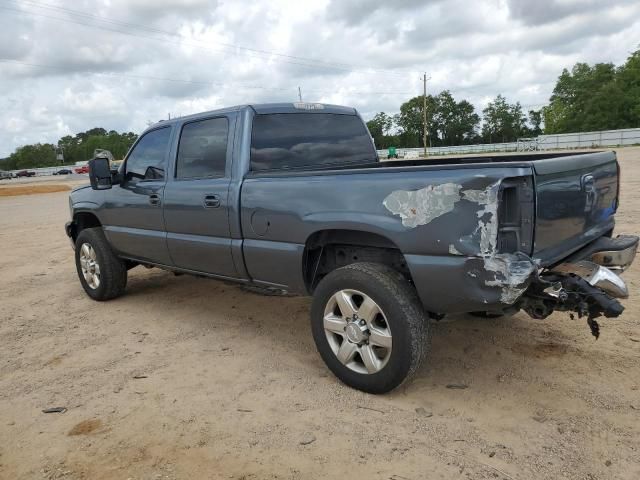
pixel 11 191
pixel 193 378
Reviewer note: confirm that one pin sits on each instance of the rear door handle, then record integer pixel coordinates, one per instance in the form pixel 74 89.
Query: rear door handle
pixel 154 199
pixel 211 201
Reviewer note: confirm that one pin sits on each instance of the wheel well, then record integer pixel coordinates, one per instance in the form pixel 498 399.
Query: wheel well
pixel 328 250
pixel 84 220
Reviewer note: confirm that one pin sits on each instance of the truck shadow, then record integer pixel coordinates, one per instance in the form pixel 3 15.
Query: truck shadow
pixel 466 351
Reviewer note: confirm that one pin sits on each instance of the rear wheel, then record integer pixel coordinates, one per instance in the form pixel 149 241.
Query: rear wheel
pixel 102 274
pixel 369 326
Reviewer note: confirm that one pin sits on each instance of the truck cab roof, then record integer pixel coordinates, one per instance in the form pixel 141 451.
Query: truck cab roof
pixel 267 108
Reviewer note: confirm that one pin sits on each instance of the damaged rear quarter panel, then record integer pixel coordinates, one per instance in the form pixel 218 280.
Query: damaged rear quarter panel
pixel 509 274
pixel 442 244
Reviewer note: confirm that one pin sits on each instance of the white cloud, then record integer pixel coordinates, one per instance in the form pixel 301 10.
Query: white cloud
pixel 119 64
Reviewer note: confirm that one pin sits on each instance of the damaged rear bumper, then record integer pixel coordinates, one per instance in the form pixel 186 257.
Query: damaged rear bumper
pixel 459 284
pixel 600 262
pixel 614 253
pixel 597 276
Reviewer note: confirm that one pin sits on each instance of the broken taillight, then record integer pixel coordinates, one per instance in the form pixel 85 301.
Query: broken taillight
pixel 516 209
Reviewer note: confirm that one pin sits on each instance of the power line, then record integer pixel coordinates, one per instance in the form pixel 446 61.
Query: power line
pixel 142 77
pixel 424 114
pixel 194 82
pixel 233 49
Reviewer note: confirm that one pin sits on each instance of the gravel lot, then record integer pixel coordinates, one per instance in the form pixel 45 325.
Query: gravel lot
pixel 194 378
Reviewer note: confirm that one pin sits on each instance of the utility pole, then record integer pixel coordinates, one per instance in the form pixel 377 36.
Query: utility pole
pixel 300 94
pixel 59 154
pixel 424 115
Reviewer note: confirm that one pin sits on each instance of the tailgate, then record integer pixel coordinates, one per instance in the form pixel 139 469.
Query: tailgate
pixel 576 198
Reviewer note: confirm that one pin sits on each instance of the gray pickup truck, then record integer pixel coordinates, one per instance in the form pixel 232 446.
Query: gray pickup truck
pixel 294 197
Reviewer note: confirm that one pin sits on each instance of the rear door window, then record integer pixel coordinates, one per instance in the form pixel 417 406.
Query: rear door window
pixel 299 140
pixel 202 152
pixel 147 159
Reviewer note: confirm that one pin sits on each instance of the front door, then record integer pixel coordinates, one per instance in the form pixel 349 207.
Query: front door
pixel 133 219
pixel 196 204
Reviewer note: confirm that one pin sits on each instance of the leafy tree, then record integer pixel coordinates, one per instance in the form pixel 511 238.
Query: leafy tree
pixel 32 156
pixel 379 127
pixel 380 124
pixel 81 146
pixel 455 123
pixel 448 122
pixel 535 123
pixel 628 78
pixel 502 121
pixel 410 121
pixel 598 97
pixel 75 148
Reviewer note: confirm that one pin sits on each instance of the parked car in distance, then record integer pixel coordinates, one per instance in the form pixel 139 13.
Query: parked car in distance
pixel 25 173
pixel 63 171
pixel 5 175
pixel 82 169
pixel 294 197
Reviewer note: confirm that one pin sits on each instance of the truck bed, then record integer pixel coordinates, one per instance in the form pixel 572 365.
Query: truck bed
pixel 525 158
pixel 496 158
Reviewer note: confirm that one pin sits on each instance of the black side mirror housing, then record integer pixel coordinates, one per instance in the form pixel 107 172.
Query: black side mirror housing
pixel 100 174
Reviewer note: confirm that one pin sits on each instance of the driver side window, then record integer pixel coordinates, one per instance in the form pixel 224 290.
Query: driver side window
pixel 147 160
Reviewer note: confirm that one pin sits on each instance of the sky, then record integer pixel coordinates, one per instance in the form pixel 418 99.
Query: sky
pixel 66 67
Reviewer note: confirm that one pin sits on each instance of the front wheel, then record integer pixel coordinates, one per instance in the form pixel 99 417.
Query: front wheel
pixel 369 326
pixel 102 274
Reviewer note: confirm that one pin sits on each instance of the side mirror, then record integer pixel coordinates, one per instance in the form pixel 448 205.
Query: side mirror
pixel 100 174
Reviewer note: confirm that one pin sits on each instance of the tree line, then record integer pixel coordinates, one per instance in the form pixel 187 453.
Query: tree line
pixel 585 98
pixel 74 149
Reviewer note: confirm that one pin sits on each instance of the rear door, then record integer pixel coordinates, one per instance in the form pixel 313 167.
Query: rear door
pixel 576 200
pixel 132 214
pixel 196 206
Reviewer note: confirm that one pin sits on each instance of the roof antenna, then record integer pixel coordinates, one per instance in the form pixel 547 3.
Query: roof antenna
pixel 300 93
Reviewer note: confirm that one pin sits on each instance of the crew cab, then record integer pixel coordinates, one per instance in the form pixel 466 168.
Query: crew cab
pixel 294 197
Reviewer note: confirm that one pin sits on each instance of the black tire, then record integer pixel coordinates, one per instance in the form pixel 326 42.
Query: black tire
pixel 404 313
pixel 113 270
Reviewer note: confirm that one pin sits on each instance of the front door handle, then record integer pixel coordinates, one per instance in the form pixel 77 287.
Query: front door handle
pixel 154 199
pixel 211 201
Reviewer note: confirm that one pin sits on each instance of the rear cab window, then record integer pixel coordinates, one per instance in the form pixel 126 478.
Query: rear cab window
pixel 309 140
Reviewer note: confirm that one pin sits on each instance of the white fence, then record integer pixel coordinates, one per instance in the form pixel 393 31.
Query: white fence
pixel 457 149
pixel 605 138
